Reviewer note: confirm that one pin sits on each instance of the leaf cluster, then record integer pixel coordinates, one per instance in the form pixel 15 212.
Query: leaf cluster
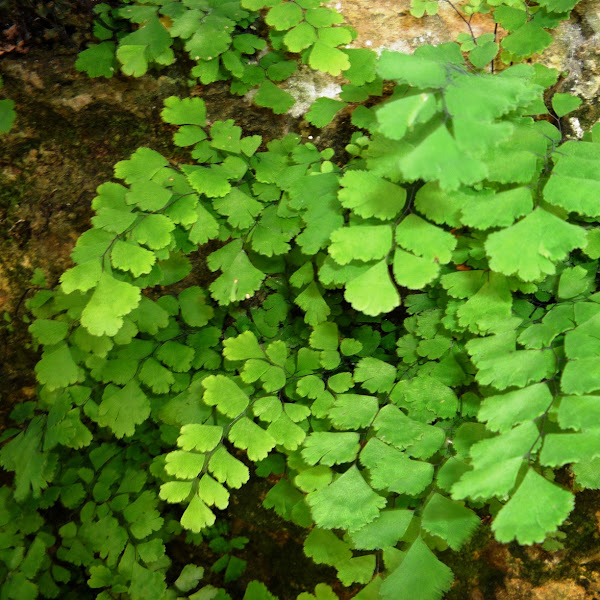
pixel 222 39
pixel 524 28
pixel 395 341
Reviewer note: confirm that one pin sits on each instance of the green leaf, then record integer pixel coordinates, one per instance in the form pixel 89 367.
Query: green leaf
pixel 324 336
pixel 531 248
pixel 114 220
pixel 375 375
pixel 370 196
pixel 189 577
pixel 240 209
pixel 133 59
pixel 154 231
pixel 406 581
pixel 324 547
pixel 312 303
pixel 376 242
pixel 178 357
pixel 528 39
pixel 412 271
pixel 418 8
pixel 227 469
pixel 396 117
pixel 129 256
pixel 562 448
pixel 347 503
pixel 573 282
pixel 242 347
pixel 327 59
pixel 385 531
pixel 487 97
pixel 424 239
pixel 49 332
pixel 300 37
pixel 197 516
pixel 23 454
pixel 148 195
pixel 322 592
pixel 510 18
pixel 284 16
pixel 558 6
pixel 270 96
pixel 212 181
pixel 280 71
pixel 194 310
pixel 57 369
pixel 483 54
pixel 565 103
pixel 353 411
pixel 486 210
pixel 574 180
pixel 239 279
pixel 530 523
pixel 212 492
pixel 578 412
pixel 273 233
pixel 205 227
pixel 580 377
pixel 323 110
pixel 257 591
pixel 199 437
pixel 122 409
pixel 142 516
pixel 329 448
pixel 175 491
pixel 373 292
pixel 504 411
pixel 286 433
pixel 283 498
pixel 185 465
pixel 143 164
pixel 98 60
pixel 20 587
pixel 587 474
pixel 207 42
pixel 257 442
pixel 439 158
pixel 417 438
pixel 184 111
pixel 417 71
pixel 440 206
pixel 362 65
pixel 110 302
pixel 222 392
pixel 7 115
pixel 392 470
pixel 155 376
pixel 449 519
pixel 149 316
pixel 489 309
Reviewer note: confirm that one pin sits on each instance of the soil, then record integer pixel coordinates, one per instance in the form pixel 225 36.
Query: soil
pixel 69 133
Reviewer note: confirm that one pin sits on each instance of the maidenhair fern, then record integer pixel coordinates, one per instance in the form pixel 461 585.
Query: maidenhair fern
pixel 525 26
pixel 397 340
pixel 221 38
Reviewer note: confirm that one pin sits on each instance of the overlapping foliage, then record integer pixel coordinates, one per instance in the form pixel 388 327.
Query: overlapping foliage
pixel 526 24
pixel 222 39
pixel 402 340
